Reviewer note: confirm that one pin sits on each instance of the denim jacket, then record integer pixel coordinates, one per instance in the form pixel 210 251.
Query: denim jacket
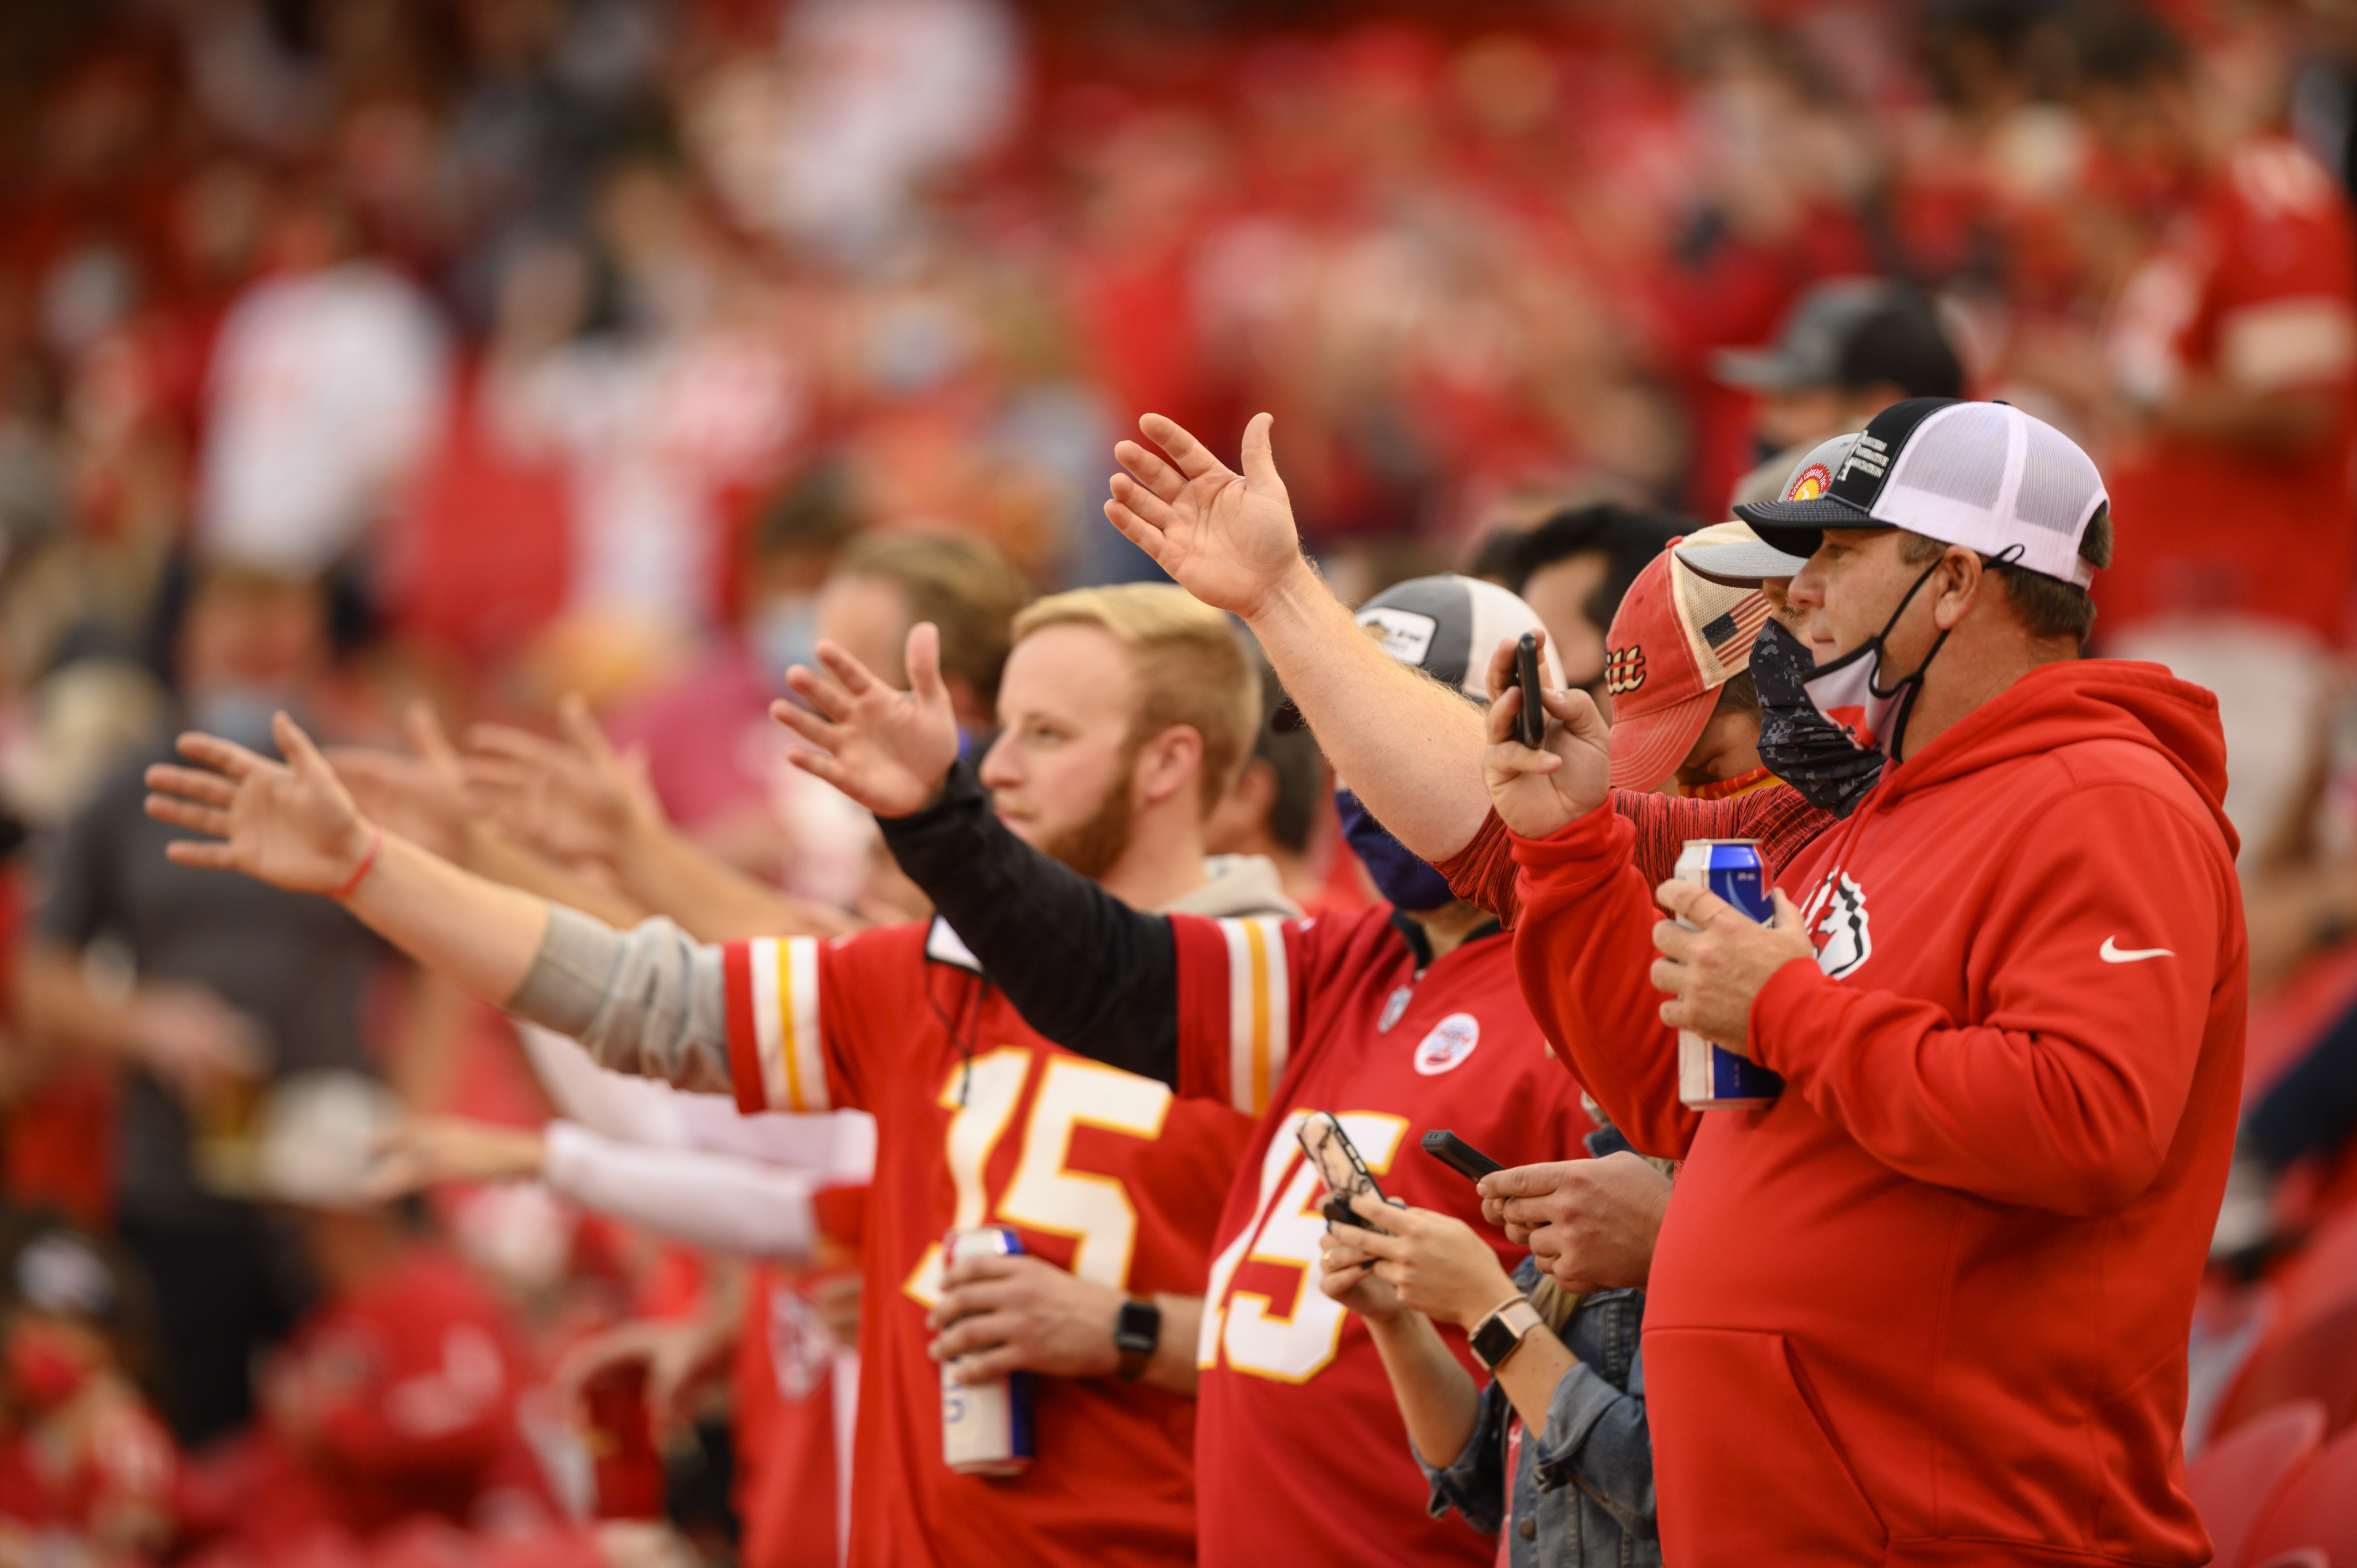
pixel 1585 1485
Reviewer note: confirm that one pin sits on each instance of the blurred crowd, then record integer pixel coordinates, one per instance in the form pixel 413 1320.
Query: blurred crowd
pixel 567 366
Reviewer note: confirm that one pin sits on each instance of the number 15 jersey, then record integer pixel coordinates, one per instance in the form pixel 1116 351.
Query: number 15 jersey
pixel 982 1121
pixel 1302 1455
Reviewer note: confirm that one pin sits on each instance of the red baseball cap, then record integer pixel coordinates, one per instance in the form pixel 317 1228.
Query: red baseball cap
pixel 1676 640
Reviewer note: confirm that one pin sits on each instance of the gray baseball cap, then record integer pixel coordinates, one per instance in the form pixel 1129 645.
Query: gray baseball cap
pixel 1853 332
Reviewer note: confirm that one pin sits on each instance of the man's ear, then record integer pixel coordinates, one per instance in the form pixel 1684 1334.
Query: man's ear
pixel 1167 763
pixel 1959 582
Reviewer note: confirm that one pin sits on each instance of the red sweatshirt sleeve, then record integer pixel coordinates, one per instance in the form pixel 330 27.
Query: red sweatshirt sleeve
pixel 2092 979
pixel 1483 871
pixel 1584 953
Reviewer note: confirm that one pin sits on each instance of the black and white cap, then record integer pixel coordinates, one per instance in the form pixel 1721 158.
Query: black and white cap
pixel 1982 475
pixel 1447 626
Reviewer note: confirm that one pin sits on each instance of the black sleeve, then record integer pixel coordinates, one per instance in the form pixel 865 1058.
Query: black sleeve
pixel 1083 968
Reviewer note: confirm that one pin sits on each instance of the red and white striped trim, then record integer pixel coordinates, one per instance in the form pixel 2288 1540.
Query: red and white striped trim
pixel 775 1053
pixel 1260 1024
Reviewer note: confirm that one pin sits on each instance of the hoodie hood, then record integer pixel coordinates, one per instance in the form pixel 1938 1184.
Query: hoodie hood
pixel 2074 702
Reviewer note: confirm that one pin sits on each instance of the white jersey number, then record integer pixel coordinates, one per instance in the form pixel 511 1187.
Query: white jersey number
pixel 1286 1229
pixel 1044 1194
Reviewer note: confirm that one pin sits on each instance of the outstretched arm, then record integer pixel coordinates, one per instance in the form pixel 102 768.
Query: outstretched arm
pixel 293 826
pixel 649 1002
pixel 1409 747
pixel 596 802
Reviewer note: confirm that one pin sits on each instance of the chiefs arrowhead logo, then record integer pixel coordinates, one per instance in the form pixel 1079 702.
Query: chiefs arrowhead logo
pixel 1624 670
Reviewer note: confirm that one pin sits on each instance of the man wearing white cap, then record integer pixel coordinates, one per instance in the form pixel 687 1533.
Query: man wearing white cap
pixel 1931 1303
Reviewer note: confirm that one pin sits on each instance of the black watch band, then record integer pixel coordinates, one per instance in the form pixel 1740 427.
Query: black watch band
pixel 1137 1332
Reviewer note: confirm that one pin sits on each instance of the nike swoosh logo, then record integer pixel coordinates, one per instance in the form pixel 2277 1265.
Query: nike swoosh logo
pixel 2112 953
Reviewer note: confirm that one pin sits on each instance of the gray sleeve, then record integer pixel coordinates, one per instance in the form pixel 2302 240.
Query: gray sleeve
pixel 648 1001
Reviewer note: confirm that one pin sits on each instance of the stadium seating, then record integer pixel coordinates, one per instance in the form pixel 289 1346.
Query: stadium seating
pixel 2317 1507
pixel 2239 1475
pixel 2311 1350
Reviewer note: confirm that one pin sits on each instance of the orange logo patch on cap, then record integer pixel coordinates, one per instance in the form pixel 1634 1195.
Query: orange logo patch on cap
pixel 1624 670
pixel 1812 482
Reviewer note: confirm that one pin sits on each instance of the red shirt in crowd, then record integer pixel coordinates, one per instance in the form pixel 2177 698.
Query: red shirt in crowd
pixel 1302 1455
pixel 1933 1303
pixel 980 1121
pixel 2255 287
pixel 396 1401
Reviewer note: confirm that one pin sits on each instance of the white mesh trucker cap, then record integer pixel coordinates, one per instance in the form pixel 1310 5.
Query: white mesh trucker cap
pixel 1982 475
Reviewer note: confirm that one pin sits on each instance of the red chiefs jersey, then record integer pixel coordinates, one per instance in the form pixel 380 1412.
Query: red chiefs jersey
pixel 396 1400
pixel 787 1475
pixel 2257 286
pixel 980 1121
pixel 1302 1455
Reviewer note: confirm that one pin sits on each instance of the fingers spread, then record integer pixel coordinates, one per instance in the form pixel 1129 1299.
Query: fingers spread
pixel 1148 506
pixel 1135 529
pixel 517 745
pixel 821 691
pixel 820 765
pixel 226 756
pixel 189 814
pixel 1194 459
pixel 856 678
pixel 805 723
pixel 208 856
pixel 195 783
pixel 1147 471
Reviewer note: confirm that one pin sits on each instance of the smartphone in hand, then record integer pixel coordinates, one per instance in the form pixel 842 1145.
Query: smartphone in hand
pixel 1459 1155
pixel 1337 1165
pixel 1531 722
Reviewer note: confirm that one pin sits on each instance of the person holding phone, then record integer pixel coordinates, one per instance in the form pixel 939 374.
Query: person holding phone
pixel 1399 1020
pixel 1554 1451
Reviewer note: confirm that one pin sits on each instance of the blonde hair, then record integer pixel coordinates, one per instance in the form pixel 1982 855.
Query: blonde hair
pixel 1191 668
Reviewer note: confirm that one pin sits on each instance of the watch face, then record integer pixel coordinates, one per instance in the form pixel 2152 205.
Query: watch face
pixel 1139 1327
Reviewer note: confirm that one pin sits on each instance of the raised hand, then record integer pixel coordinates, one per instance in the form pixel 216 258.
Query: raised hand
pixel 576 799
pixel 1539 792
pixel 886 749
pixel 421 796
pixel 1227 538
pixel 291 823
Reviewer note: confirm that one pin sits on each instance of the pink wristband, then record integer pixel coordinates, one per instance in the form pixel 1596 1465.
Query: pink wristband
pixel 368 863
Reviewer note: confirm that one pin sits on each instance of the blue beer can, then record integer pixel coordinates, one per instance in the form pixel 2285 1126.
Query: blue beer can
pixel 986 1427
pixel 1710 1076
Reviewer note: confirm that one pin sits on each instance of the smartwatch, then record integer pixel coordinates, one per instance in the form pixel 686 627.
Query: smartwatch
pixel 1498 1335
pixel 1136 1333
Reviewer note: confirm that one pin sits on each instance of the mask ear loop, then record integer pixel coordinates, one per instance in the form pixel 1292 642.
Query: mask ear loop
pixel 2007 557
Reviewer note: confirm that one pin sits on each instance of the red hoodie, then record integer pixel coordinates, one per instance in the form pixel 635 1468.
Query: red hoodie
pixel 1931 1305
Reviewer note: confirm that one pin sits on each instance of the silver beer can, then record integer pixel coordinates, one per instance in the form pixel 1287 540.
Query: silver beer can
pixel 986 1427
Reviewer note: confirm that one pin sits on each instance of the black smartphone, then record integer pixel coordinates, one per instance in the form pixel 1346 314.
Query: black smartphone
pixel 1531 722
pixel 1459 1155
pixel 1337 1165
